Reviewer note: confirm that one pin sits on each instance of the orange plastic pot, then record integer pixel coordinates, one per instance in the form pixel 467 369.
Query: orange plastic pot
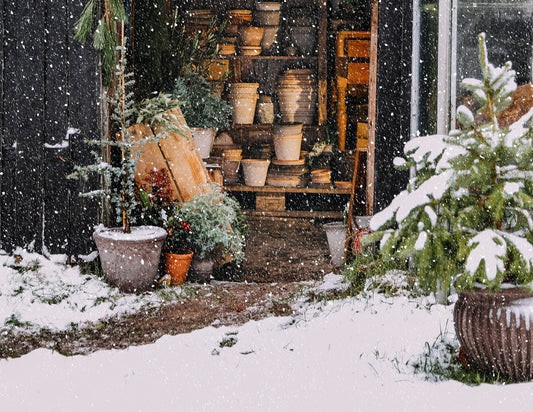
pixel 177 265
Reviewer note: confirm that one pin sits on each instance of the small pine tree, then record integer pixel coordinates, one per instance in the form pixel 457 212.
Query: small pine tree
pixel 118 180
pixel 465 217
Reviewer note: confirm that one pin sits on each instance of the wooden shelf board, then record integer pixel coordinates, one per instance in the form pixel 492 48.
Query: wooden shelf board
pixel 275 189
pixel 259 57
pixel 269 126
pixel 294 214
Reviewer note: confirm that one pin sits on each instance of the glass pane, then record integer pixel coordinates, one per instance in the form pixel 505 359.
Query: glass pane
pixel 428 66
pixel 509 30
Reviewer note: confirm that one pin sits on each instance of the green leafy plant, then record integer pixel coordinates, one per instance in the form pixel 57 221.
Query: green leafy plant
pixel 200 106
pixel 465 218
pixel 106 15
pixel 215 221
pixel 192 49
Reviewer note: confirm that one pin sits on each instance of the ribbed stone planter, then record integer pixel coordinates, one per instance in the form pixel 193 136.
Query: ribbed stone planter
pixel 495 331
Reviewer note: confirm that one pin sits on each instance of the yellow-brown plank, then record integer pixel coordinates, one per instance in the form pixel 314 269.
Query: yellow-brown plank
pixel 184 162
pixel 151 156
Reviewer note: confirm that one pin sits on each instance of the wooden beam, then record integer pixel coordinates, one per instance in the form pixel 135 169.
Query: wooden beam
pixel 372 92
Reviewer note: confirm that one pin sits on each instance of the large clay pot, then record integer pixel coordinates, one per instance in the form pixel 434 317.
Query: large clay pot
pixel 177 265
pixel 243 107
pixel 203 138
pixel 130 260
pixel 494 330
pixel 255 171
pixel 250 36
pixel 287 128
pixel 336 234
pixel 287 147
pixel 269 42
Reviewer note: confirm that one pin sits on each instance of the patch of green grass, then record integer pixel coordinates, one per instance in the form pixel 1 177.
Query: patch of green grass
pixel 367 271
pixel 14 321
pixel 441 361
pixel 229 340
pixel 22 267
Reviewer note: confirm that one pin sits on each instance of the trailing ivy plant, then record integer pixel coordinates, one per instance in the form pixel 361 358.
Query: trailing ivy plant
pixel 106 15
pixel 465 218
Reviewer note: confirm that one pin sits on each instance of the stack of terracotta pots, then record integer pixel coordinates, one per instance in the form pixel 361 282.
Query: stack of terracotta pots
pixel 267 15
pixel 231 161
pixel 198 18
pixel 297 96
pixel 321 176
pixel 243 98
pixel 249 40
pixel 289 165
pixel 235 19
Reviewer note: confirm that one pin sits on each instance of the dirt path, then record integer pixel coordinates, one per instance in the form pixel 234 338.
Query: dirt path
pixel 282 258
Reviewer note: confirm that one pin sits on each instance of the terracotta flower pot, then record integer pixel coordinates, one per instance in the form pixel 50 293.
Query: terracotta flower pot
pixel 177 265
pixel 250 36
pixel 203 138
pixel 243 107
pixel 287 147
pixel 255 171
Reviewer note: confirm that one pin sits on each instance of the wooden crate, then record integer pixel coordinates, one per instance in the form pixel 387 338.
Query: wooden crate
pixel 178 153
pixel 270 201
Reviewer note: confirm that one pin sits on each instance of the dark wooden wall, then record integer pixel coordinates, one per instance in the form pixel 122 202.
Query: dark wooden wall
pixel 49 85
pixel 393 97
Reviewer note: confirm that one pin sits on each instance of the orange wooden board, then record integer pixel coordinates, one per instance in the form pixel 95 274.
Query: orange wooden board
pixel 184 161
pixel 178 153
pixel 151 156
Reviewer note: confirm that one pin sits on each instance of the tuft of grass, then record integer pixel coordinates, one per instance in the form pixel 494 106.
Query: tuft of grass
pixel 22 267
pixel 371 266
pixel 14 322
pixel 94 267
pixel 442 360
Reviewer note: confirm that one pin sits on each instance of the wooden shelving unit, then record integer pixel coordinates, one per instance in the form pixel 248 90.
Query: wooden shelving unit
pixel 270 201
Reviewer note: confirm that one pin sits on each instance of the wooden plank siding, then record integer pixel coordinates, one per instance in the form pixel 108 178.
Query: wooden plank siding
pixel 49 85
pixel 393 97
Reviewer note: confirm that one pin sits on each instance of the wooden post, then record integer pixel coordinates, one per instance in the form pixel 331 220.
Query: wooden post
pixel 372 92
pixel 372 89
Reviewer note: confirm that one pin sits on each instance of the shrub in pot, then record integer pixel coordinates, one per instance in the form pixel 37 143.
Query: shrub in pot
pixel 129 254
pixel 204 111
pixel 154 206
pixel 465 219
pixel 217 229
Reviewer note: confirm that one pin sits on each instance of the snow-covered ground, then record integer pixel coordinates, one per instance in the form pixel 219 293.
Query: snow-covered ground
pixel 352 354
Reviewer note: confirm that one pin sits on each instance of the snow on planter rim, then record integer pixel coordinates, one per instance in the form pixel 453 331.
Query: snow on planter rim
pixel 137 233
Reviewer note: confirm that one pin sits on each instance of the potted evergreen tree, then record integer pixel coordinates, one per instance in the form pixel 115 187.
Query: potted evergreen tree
pixel 204 111
pixel 129 254
pixel 466 221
